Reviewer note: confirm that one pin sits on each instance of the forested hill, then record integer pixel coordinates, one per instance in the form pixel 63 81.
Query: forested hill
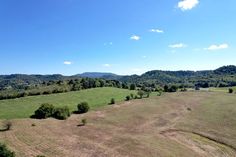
pixel 223 76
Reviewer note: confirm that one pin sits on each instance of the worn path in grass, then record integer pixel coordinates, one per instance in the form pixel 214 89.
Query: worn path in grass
pixel 196 124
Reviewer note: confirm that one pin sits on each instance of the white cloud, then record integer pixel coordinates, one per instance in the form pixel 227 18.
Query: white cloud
pixel 110 43
pixel 67 62
pixel 180 45
pixel 135 37
pixel 217 47
pixel 187 4
pixel 107 65
pixel 156 30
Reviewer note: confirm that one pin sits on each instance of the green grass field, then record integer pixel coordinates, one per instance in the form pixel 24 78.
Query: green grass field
pixel 25 107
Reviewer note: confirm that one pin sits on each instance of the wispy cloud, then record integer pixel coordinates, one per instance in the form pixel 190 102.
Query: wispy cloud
pixel 187 4
pixel 67 62
pixel 107 65
pixel 179 45
pixel 217 47
pixel 135 37
pixel 110 43
pixel 144 56
pixel 156 31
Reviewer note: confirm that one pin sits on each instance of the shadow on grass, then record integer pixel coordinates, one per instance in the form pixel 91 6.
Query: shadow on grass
pixel 5 129
pixel 80 125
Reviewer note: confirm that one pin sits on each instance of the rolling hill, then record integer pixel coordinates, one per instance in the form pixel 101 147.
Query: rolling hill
pixel 223 76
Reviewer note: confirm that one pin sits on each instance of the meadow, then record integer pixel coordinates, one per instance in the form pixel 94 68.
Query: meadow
pixel 97 97
pixel 194 123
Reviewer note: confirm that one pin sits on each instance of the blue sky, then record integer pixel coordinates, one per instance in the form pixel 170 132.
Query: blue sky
pixel 119 36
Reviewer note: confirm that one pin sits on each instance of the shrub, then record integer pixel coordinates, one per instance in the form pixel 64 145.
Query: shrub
pixel 127 98
pixel 132 95
pixel 84 121
pixel 7 125
pixel 173 88
pixel 140 94
pixel 44 111
pixel 112 101
pixel 231 90
pixel 4 152
pixel 159 93
pixel 135 97
pixel 166 88
pixel 83 107
pixel 61 113
pixel 132 87
pixel 197 88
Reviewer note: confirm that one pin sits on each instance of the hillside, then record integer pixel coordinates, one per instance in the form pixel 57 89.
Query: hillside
pixel 183 124
pixel 110 76
pixel 25 107
pixel 223 76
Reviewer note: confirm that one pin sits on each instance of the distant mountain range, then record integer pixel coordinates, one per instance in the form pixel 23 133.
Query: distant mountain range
pixel 225 75
pixel 110 76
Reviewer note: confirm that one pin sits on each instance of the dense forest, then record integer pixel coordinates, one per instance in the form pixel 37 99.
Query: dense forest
pixel 222 77
pixel 19 85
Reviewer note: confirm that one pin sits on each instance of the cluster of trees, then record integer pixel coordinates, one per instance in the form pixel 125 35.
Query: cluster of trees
pixel 61 86
pixel 48 110
pixel 172 88
pixel 61 113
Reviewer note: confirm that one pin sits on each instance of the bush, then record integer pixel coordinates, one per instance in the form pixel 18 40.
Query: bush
pixel 173 88
pixel 231 90
pixel 132 96
pixel 112 101
pixel 4 152
pixel 159 93
pixel 84 121
pixel 140 94
pixel 44 111
pixel 61 113
pixel 127 98
pixel 83 107
pixel 132 87
pixel 7 125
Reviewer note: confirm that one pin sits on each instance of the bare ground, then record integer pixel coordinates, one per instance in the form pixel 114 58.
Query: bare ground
pixel 137 128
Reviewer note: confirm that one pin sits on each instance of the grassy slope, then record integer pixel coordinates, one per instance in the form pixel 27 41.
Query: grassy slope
pixel 134 129
pixel 214 117
pixel 24 107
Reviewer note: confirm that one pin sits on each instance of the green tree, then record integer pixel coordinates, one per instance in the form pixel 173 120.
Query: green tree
pixel 83 107
pixel 231 90
pixel 112 101
pixel 132 87
pixel 5 152
pixel 61 113
pixel 44 111
pixel 140 94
